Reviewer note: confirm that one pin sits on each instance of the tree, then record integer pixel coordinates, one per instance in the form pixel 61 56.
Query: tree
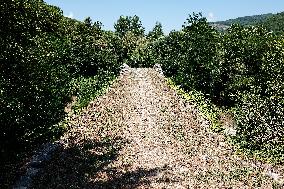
pixel 275 23
pixel 156 32
pixel 34 79
pixel 88 22
pixel 129 24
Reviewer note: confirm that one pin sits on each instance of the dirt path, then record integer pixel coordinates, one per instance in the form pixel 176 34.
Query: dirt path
pixel 150 147
pixel 141 134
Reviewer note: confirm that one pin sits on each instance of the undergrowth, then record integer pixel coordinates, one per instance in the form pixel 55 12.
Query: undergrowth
pixel 88 88
pixel 207 109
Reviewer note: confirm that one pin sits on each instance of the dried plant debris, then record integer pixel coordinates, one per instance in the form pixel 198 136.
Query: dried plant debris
pixel 141 134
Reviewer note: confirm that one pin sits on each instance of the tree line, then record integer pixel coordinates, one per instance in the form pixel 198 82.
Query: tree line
pixel 240 71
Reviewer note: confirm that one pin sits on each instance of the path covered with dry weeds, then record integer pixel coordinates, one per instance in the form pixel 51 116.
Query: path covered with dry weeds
pixel 141 134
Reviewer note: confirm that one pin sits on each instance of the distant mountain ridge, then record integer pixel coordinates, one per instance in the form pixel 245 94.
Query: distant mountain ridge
pixel 246 20
pixel 273 22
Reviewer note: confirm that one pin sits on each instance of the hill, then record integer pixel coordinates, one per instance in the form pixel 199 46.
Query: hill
pixel 273 22
pixel 246 20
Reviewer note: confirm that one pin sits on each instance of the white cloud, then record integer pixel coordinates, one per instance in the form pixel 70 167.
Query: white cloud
pixel 70 15
pixel 211 17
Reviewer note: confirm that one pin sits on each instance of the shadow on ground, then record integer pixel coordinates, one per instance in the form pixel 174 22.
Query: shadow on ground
pixel 85 165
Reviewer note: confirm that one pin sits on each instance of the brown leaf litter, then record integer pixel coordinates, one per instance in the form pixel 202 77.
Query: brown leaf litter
pixel 141 134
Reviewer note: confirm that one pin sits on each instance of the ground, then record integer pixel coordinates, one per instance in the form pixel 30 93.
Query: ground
pixel 141 134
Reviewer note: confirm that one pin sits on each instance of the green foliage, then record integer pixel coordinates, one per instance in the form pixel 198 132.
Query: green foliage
pixel 129 44
pixel 42 53
pixel 91 49
pixel 246 20
pixel 241 62
pixel 275 23
pixel 241 70
pixel 167 52
pixel 200 45
pixel 190 55
pixel 88 88
pixel 130 31
pixel 260 127
pixel 142 54
pixel 127 24
pixel 259 114
pixel 157 32
pixel 272 22
pixel 204 105
pixel 250 81
pixel 34 79
pixel 136 50
pixel 25 19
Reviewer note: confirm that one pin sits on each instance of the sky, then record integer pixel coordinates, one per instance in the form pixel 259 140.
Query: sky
pixel 171 13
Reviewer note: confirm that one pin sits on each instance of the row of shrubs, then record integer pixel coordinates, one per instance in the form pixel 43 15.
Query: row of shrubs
pixel 42 54
pixel 240 70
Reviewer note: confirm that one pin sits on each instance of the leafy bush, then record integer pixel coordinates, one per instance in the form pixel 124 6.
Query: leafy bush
pixel 142 56
pixel 167 51
pixel 130 32
pixel 200 46
pixel 260 124
pixel 42 52
pixel 34 79
pixel 190 55
pixel 260 113
pixel 87 88
pixel 243 50
pixel 241 69
pixel 156 33
pixel 92 50
pixel 126 24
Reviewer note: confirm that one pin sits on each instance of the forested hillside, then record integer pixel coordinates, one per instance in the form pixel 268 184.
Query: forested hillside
pixel 246 20
pixel 46 60
pixel 275 23
pixel 272 22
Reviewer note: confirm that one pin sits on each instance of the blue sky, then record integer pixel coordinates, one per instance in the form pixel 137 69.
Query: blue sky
pixel 171 13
